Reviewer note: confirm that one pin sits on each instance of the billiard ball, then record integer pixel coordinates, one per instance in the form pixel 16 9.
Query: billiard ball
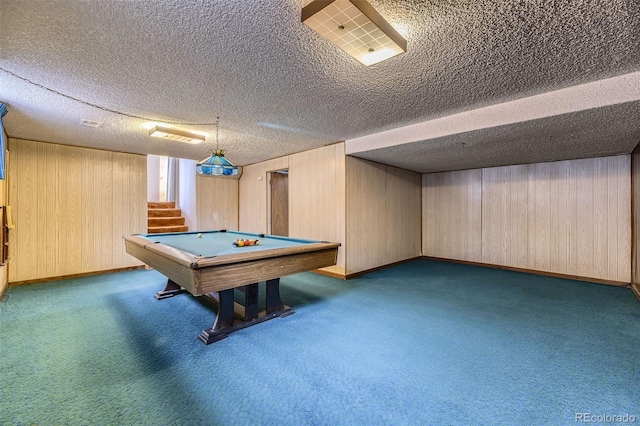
pixel 199 235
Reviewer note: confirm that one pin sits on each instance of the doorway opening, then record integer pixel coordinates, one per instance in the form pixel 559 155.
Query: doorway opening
pixel 278 200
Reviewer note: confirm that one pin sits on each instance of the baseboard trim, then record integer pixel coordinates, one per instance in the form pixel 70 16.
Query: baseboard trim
pixel 533 271
pixel 71 276
pixel 4 284
pixel 357 274
pixel 330 274
pixel 635 287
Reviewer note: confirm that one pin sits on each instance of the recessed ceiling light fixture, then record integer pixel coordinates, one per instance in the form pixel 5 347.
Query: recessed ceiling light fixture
pixel 176 135
pixel 355 27
pixel 216 164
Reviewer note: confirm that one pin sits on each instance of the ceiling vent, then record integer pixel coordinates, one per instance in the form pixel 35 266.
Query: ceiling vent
pixel 91 123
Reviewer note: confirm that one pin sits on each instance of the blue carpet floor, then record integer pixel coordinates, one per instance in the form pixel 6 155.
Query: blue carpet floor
pixel 421 343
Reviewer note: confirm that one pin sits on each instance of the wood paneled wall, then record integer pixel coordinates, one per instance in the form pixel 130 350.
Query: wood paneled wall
pixel 383 215
pixel 504 211
pixel 253 194
pixel 317 197
pixel 4 273
pixel 330 194
pixel 216 203
pixel 567 217
pixel 71 207
pixel 452 215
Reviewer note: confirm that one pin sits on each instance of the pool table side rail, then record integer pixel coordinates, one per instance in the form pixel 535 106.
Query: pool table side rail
pixel 185 259
pixel 231 275
pixel 230 232
pixel 177 269
pixel 263 254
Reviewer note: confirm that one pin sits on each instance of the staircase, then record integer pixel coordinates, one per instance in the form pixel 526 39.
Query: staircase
pixel 164 217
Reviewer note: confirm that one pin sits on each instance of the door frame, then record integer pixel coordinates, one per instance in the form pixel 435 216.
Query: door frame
pixel 269 173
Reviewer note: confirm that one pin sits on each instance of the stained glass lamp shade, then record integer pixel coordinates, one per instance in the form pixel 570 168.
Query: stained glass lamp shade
pixel 216 165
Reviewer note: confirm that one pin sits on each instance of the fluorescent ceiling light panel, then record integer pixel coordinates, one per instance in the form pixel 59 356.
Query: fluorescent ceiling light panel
pixel 176 135
pixel 355 27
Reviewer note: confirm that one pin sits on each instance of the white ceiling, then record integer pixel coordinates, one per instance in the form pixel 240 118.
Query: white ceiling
pixel 559 79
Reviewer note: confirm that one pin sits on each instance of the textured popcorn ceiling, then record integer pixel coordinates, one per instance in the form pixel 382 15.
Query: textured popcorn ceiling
pixel 279 88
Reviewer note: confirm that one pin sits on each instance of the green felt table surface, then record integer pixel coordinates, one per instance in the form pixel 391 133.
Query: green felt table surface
pixel 216 243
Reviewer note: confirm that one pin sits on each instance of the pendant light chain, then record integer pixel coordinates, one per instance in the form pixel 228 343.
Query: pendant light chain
pixel 217 129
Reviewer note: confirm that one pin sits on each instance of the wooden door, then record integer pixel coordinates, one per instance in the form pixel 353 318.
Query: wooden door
pixel 280 204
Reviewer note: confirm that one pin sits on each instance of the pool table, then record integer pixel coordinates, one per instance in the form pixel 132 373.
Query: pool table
pixel 208 264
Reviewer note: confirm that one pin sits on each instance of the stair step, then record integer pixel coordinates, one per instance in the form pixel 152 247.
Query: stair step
pixel 163 229
pixel 165 221
pixel 161 204
pixel 165 213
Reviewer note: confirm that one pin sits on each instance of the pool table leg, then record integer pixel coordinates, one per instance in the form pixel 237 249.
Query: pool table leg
pixel 273 302
pixel 248 314
pixel 224 317
pixel 251 307
pixel 172 289
pixel 274 306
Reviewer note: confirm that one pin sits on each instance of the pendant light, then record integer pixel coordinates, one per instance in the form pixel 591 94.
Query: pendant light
pixel 216 164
